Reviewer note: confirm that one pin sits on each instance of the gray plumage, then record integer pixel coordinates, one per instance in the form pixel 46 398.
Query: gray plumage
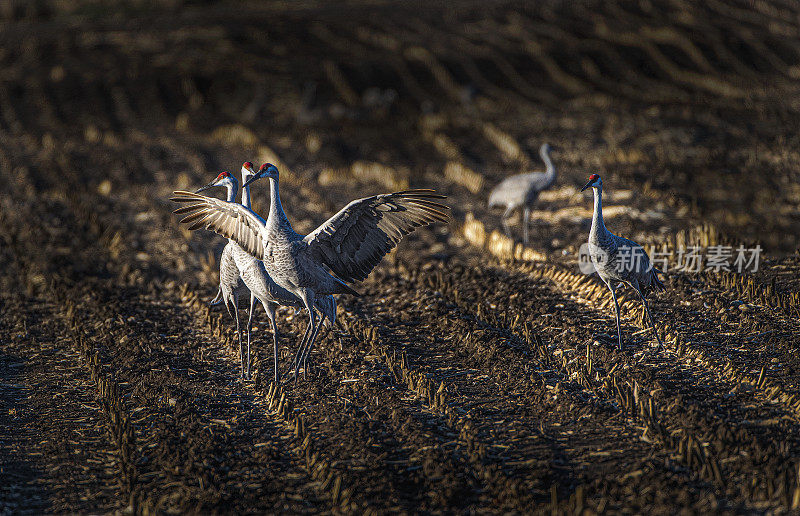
pixel 349 244
pixel 521 191
pixel 264 290
pixel 618 260
pixel 230 284
pixel 242 273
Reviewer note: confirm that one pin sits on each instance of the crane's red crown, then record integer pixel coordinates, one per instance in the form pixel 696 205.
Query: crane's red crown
pixel 247 164
pixel 594 177
pixel 223 175
pixel 265 166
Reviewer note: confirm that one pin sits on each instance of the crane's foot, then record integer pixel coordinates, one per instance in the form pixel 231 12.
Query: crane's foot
pixel 296 374
pixel 658 349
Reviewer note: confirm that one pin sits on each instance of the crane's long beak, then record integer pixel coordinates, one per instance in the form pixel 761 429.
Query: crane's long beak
pixel 212 184
pixel 252 178
pixel 587 185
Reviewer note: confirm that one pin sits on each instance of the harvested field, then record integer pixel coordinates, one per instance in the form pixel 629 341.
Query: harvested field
pixel 472 374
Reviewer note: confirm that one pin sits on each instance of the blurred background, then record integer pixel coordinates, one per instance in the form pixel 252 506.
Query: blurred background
pixel 687 109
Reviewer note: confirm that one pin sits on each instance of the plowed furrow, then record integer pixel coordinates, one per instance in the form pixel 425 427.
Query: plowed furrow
pixel 394 467
pixel 358 420
pixel 722 407
pixel 507 402
pixel 191 422
pixel 54 457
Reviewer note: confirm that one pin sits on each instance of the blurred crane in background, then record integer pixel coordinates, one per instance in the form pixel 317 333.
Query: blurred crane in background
pixel 521 191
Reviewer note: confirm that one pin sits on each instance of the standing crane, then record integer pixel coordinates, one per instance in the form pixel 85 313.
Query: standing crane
pixel 236 264
pixel 618 260
pixel 521 191
pixel 230 285
pixel 350 244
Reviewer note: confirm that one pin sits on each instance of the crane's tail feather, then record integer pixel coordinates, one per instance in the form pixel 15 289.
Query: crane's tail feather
pixel 217 299
pixel 344 288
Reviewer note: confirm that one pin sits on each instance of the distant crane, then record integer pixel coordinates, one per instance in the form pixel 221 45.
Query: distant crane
pixel 350 244
pixel 521 191
pixel 618 260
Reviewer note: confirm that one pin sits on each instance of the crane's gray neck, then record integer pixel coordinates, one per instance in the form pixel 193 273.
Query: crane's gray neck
pixel 551 169
pixel 598 227
pixel 277 217
pixel 246 193
pixel 232 187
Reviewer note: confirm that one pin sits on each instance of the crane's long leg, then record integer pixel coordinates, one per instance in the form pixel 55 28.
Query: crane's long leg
pixel 310 345
pixel 504 220
pixel 270 309
pixel 526 219
pixel 301 353
pixel 616 312
pixel 239 330
pixel 652 322
pixel 308 300
pixel 303 342
pixel 298 356
pixel 329 330
pixel 249 327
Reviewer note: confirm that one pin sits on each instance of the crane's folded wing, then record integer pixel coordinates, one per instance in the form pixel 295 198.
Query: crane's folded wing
pixel 353 242
pixel 229 219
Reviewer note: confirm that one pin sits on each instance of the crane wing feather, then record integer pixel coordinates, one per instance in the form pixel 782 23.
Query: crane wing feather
pixel 355 240
pixel 229 219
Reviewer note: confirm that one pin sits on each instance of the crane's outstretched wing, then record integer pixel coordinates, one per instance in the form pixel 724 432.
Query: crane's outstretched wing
pixel 353 242
pixel 229 219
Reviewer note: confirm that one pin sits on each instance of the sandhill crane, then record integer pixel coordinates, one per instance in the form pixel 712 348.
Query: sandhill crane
pixel 264 290
pixel 618 260
pixel 350 244
pixel 236 264
pixel 521 191
pixel 230 285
